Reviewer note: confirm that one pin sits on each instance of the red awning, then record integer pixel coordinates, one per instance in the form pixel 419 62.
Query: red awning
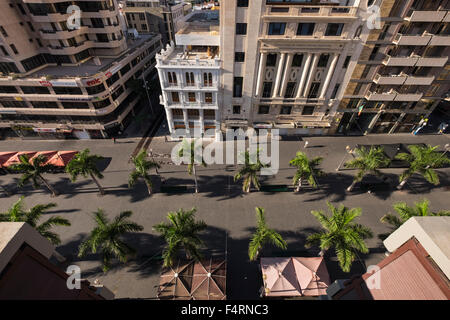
pixel 46 154
pixel 15 158
pixel 5 156
pixel 61 158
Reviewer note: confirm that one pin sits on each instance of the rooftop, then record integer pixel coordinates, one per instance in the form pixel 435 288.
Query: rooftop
pixel 201 29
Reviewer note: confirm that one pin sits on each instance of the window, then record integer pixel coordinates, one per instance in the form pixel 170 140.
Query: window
pixel 117 93
pixel 67 90
pixel 267 90
pixel 242 3
pixel 144 27
pixel 286 110
pixel 14 49
pixel 374 52
pixel 175 97
pixel 297 60
pixel 208 97
pixel 101 104
pixel 209 114
pixel 3 31
pixel 335 91
pixel 290 88
pixel 190 79
pixel 191 97
pixel 141 16
pixel 236 109
pixel 277 28
pixel 241 28
pixel 35 90
pixel 334 29
pixel 8 89
pixel 30 26
pixel 263 109
pixel 44 104
pixel 239 56
pixel 75 105
pixel 207 79
pixel 172 78
pixel 193 114
pixel 308 111
pixel 125 69
pixel 96 89
pixel 5 53
pixel 305 29
pixel 112 79
pixel 271 60
pixel 323 61
pixel 237 87
pixel 346 62
pixel 314 90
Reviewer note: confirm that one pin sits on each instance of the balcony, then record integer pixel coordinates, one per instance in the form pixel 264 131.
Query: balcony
pixel 390 80
pixel 412 40
pixel 62 34
pixel 387 96
pixel 400 61
pixel 432 62
pixel 316 12
pixel 72 49
pixel 426 16
pixel 440 40
pixel 447 17
pixel 419 81
pixel 408 97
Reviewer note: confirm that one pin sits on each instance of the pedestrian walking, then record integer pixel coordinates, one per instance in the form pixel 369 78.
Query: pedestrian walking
pixel 442 127
pixel 114 140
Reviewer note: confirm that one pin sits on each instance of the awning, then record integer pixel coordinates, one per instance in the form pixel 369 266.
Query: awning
pixel 295 276
pixel 5 156
pixel 46 154
pixel 15 159
pixel 61 158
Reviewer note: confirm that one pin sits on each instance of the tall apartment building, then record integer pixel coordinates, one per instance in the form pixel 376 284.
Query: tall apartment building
pixel 156 16
pixel 69 83
pixel 403 71
pixel 189 73
pixel 287 63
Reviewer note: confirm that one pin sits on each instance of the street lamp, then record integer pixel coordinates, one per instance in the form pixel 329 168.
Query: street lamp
pixel 348 150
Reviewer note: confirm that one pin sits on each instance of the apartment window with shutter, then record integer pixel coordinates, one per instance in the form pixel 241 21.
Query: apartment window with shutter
pixel 175 97
pixel 14 49
pixel 190 79
pixel 208 97
pixel 241 28
pixel 237 87
pixel 191 97
pixel 207 79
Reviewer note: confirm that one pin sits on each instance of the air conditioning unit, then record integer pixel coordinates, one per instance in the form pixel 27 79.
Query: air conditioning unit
pixel 335 287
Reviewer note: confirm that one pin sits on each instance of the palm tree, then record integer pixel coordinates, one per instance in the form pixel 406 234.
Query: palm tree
pixel 422 160
pixel 32 171
pixel 86 165
pixel 182 231
pixel 193 152
pixel 340 233
pixel 306 170
pixel 263 235
pixel 249 172
pixel 17 213
pixel 367 161
pixel 142 166
pixel 106 237
pixel 420 209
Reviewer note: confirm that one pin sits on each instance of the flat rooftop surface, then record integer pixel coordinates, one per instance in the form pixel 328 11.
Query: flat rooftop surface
pixel 88 68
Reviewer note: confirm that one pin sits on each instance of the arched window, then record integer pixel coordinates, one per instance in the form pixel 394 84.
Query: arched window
pixel 190 79
pixel 172 78
pixel 210 79
pixel 207 79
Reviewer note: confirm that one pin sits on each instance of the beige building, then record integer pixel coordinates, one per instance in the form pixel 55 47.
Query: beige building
pixel 69 83
pixel 403 72
pixel 156 16
pixel 287 63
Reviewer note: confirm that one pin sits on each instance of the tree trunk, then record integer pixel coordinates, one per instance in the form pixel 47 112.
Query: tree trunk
pixel 149 188
pixel 195 178
pixel 49 187
pixel 299 184
pixel 102 192
pixel 350 188
pixel 249 185
pixel 402 184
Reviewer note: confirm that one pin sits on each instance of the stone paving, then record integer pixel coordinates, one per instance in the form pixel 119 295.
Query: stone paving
pixel 229 214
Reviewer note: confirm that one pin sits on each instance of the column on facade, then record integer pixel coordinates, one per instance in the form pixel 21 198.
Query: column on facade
pixel 329 75
pixel 397 123
pixel 373 122
pixel 311 74
pixel 202 121
pixel 262 67
pixel 301 85
pixel 185 119
pixel 279 73
pixel 169 119
pixel 290 56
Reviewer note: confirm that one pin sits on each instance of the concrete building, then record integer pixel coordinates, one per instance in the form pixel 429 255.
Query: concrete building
pixel 29 269
pixel 286 64
pixel 189 73
pixel 403 71
pixel 156 16
pixel 417 267
pixel 69 83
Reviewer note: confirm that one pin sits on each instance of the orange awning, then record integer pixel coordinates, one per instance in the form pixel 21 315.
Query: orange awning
pixel 5 156
pixel 47 154
pixel 15 158
pixel 61 158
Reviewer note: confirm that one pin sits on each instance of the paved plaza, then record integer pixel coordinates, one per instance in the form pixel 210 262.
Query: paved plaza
pixel 229 214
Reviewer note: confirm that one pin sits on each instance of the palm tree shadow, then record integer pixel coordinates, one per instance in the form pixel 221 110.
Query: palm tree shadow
pixel 418 185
